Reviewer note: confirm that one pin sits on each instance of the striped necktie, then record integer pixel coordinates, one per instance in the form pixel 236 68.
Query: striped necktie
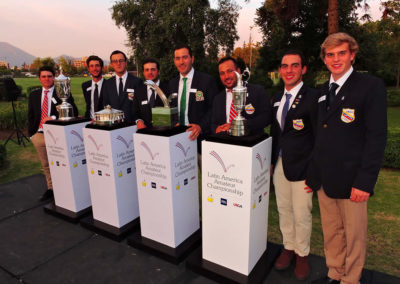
pixel 45 109
pixel 232 112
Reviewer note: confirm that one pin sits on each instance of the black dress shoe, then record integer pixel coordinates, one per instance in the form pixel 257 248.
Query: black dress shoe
pixel 326 280
pixel 47 195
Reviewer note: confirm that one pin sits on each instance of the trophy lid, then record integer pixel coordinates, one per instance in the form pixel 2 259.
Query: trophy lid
pixel 61 76
pixel 109 110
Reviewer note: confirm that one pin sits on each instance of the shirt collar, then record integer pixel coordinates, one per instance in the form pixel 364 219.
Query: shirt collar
pixel 99 83
pixel 188 75
pixel 50 89
pixel 294 90
pixel 342 79
pixel 123 76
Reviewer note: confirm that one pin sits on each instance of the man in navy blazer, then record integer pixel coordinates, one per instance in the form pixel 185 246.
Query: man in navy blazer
pixel 257 109
pixel 92 90
pixel 349 148
pixel 120 89
pixel 195 92
pixel 293 134
pixel 146 98
pixel 40 100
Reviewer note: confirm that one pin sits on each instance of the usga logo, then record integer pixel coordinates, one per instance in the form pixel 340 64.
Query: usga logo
pixel 237 205
pixel 224 201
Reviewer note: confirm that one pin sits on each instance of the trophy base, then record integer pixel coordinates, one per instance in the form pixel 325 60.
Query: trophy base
pixel 66 118
pixel 164 117
pixel 238 128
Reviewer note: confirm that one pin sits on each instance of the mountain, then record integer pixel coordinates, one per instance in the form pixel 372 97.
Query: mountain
pixel 14 55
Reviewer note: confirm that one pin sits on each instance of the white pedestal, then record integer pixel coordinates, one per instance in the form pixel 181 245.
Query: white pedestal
pixel 67 161
pixel 112 175
pixel 235 197
pixel 168 187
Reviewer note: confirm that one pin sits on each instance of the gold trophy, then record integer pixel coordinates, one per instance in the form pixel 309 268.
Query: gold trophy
pixel 239 123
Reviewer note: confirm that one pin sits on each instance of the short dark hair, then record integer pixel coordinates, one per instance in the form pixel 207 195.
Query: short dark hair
pixel 298 53
pixel 227 58
pixel 151 60
pixel 94 58
pixel 183 45
pixel 118 52
pixel 47 68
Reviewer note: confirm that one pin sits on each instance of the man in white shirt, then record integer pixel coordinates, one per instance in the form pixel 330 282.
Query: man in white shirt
pixel 92 90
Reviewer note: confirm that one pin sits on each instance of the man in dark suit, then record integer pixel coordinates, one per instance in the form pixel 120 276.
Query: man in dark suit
pixel 120 89
pixel 41 108
pixel 349 148
pixel 257 109
pixel 146 98
pixel 195 92
pixel 92 90
pixel 293 134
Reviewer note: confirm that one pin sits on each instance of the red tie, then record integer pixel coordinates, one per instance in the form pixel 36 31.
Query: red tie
pixel 45 109
pixel 233 112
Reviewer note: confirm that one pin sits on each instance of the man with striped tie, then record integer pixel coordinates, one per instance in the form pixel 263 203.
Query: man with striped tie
pixel 257 109
pixel 41 108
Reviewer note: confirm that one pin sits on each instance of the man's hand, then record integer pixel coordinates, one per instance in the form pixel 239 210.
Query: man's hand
pixel 140 124
pixel 307 188
pixel 47 118
pixel 195 129
pixel 358 195
pixel 223 127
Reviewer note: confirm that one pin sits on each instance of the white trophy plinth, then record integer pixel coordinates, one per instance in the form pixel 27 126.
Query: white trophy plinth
pixel 67 162
pixel 112 179
pixel 167 181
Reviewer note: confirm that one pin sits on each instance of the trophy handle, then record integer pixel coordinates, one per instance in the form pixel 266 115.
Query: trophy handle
pixel 159 92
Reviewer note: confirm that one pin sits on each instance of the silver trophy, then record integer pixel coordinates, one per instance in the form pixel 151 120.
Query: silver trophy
pixel 165 116
pixel 62 87
pixel 239 123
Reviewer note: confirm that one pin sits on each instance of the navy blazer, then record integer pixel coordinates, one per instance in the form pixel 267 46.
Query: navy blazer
pixel 35 109
pixel 87 94
pixel 298 135
pixel 351 137
pixel 141 108
pixel 121 102
pixel 200 106
pixel 257 111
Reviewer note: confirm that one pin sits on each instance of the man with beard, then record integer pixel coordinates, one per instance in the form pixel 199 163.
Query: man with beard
pixel 257 106
pixel 146 98
pixel 92 90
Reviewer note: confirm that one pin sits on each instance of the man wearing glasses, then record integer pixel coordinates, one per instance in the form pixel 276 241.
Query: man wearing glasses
pixel 120 89
pixel 41 108
pixel 293 134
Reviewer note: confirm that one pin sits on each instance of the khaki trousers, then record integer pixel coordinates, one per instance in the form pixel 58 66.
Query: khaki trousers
pixel 294 207
pixel 38 142
pixel 344 225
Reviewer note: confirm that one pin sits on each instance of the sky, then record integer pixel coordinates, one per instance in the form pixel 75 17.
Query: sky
pixel 81 27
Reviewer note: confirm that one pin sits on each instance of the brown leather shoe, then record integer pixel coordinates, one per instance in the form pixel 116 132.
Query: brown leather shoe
pixel 284 259
pixel 302 267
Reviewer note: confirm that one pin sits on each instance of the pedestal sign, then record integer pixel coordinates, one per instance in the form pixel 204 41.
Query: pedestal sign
pixel 166 164
pixel 235 198
pixel 67 162
pixel 112 179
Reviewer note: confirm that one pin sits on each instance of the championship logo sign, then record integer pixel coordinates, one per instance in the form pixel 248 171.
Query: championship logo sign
pixel 298 124
pixel 348 115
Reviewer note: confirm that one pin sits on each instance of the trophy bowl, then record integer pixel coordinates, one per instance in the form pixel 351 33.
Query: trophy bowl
pixel 239 123
pixel 62 88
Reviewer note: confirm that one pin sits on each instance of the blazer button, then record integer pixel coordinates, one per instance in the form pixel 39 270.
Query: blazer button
pixel 325 125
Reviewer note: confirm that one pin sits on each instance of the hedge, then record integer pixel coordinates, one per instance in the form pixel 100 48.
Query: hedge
pixel 391 158
pixel 393 97
pixel 6 115
pixel 3 154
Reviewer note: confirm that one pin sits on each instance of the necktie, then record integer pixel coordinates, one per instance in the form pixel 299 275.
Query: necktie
pixel 45 109
pixel 332 94
pixel 152 98
pixel 183 103
pixel 120 87
pixel 232 112
pixel 96 98
pixel 285 110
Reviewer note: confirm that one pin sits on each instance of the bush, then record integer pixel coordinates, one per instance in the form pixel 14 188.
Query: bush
pixel 6 115
pixel 393 97
pixel 391 158
pixel 3 154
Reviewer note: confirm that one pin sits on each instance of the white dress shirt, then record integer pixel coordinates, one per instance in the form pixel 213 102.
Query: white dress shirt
pixel 99 85
pixel 293 92
pixel 123 80
pixel 189 80
pixel 341 80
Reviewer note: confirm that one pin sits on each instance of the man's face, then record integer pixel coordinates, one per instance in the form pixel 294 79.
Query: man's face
pixel 227 74
pixel 150 72
pixel 95 68
pixel 291 70
pixel 47 79
pixel 338 59
pixel 183 61
pixel 118 62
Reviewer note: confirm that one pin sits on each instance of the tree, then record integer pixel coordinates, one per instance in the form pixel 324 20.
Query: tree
pixel 67 66
pixel 38 62
pixel 155 27
pixel 333 19
pixel 244 53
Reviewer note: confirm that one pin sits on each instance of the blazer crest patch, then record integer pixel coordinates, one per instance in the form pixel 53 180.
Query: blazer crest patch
pixel 249 109
pixel 199 96
pixel 348 115
pixel 130 96
pixel 298 124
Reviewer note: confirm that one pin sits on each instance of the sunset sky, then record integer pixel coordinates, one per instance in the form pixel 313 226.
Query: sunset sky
pixel 81 27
